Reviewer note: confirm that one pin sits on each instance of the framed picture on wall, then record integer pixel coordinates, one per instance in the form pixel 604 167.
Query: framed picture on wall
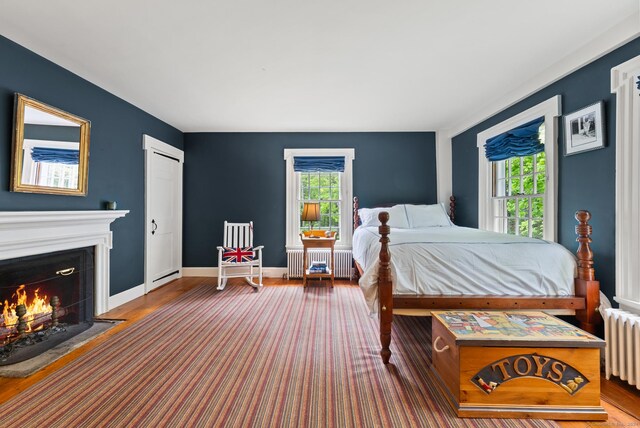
pixel 584 129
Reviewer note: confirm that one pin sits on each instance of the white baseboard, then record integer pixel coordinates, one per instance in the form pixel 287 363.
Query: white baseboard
pixel 126 296
pixel 138 291
pixel 267 272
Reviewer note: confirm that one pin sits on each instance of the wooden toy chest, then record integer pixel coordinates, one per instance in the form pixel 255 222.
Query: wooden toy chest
pixel 514 364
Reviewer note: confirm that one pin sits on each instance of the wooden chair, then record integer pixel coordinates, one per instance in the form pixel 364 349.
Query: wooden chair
pixel 238 257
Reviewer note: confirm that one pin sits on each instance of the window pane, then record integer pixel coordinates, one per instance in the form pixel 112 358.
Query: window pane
pixel 527 164
pixel 324 214
pixel 511 207
pixel 540 183
pixel 335 214
pixel 537 229
pixel 541 162
pixel 324 179
pixel 335 194
pixel 313 180
pixel 335 209
pixel 515 166
pixel 514 186
pixel 523 227
pixel 314 194
pixel 324 194
pixel 335 217
pixel 527 185
pixel 335 179
pixel 523 208
pixel 537 207
pixel 511 226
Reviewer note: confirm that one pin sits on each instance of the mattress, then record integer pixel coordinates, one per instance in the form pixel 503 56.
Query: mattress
pixel 463 261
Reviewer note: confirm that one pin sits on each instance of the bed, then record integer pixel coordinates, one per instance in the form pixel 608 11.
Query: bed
pixel 439 266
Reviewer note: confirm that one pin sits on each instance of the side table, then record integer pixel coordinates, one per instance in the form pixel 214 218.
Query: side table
pixel 318 242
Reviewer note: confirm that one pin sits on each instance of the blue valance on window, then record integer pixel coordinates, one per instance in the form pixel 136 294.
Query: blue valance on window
pixel 521 141
pixel 49 155
pixel 318 163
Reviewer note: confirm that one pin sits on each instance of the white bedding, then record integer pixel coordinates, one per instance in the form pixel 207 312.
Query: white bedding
pixel 462 261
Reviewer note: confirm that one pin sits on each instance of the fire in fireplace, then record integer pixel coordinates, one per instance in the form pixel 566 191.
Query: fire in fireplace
pixel 44 300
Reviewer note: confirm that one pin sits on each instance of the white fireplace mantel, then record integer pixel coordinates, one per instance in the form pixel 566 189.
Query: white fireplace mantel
pixel 26 233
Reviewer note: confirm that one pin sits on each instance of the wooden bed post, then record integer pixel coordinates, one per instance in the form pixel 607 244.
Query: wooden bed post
pixel 452 208
pixel 356 223
pixel 585 283
pixel 385 288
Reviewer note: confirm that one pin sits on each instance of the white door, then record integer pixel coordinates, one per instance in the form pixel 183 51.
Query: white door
pixel 163 230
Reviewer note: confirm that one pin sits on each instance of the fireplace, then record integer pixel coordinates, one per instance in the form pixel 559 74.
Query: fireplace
pixel 44 300
pixel 46 236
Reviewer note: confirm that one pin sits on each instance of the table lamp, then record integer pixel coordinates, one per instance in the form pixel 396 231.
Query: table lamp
pixel 311 213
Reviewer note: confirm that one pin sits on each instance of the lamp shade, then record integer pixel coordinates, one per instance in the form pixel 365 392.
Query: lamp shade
pixel 311 211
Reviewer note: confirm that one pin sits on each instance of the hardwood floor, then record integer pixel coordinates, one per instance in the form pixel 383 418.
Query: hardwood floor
pixel 620 400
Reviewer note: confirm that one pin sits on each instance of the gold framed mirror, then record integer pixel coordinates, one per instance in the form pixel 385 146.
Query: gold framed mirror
pixel 50 150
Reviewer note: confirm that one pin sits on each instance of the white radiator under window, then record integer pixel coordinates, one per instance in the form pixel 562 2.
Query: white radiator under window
pixel 343 261
pixel 622 334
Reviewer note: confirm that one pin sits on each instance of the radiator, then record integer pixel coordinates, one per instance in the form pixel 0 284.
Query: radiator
pixel 622 356
pixel 343 261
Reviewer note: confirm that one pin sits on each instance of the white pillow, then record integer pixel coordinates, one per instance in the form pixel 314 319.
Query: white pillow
pixel 427 216
pixel 397 216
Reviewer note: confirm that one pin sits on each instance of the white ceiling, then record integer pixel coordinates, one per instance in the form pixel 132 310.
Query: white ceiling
pixel 301 65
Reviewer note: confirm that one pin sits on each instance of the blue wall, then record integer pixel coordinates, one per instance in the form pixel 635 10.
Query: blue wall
pixel 585 180
pixel 241 177
pixel 116 166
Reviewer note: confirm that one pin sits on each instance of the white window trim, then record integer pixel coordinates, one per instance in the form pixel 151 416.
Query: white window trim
pixel 550 109
pixel 346 190
pixel 623 84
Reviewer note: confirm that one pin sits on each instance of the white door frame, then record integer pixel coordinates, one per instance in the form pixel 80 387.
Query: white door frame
pixel 151 146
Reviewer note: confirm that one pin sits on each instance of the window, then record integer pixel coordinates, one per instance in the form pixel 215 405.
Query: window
pixel 322 187
pixel 517 195
pixel 333 190
pixel 56 175
pixel 624 83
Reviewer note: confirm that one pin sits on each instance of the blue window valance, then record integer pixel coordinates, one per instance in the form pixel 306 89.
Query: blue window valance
pixel 50 155
pixel 318 163
pixel 521 141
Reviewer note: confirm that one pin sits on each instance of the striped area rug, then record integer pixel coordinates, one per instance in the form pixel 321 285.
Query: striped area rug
pixel 284 357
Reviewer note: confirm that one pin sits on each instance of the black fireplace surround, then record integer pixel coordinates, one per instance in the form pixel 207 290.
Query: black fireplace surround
pixel 68 275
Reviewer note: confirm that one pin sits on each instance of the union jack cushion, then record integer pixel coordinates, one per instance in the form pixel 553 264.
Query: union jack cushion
pixel 238 255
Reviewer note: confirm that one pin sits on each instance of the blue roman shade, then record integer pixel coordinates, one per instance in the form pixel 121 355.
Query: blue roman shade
pixel 50 155
pixel 521 141
pixel 318 163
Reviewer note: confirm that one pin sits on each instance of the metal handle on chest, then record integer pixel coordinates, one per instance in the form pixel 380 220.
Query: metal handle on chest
pixel 435 345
